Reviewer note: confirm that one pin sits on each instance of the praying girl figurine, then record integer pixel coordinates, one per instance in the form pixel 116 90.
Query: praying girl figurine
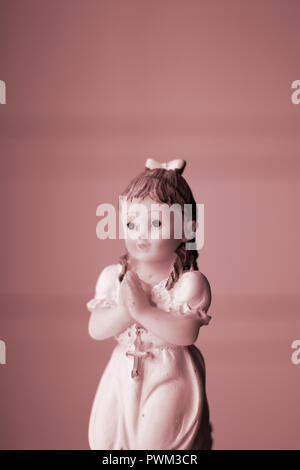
pixel 152 392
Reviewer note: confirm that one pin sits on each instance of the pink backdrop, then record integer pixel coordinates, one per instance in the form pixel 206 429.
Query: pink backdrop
pixel 93 89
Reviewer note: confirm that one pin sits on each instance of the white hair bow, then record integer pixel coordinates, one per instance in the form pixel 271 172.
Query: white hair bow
pixel 171 165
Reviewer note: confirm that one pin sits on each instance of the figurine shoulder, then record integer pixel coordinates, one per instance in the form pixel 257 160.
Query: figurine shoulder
pixel 108 276
pixel 193 287
pixel 107 287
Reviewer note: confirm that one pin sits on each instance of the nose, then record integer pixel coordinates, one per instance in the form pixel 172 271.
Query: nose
pixel 142 234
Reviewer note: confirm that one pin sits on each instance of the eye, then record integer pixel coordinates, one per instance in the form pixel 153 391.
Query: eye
pixel 156 223
pixel 130 225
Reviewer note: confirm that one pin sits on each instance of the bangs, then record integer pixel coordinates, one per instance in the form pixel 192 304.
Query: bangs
pixel 142 187
pixel 164 186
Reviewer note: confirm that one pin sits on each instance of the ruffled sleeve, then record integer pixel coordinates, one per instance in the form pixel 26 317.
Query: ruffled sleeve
pixel 192 296
pixel 107 288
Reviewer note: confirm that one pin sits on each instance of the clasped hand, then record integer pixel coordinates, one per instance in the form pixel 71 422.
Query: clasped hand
pixel 132 295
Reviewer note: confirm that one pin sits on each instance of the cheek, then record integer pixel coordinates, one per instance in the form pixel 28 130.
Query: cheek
pixel 165 246
pixel 130 245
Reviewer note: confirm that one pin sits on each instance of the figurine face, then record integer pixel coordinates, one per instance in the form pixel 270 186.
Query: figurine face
pixel 153 232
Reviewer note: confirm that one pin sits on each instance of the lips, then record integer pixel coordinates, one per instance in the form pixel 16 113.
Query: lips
pixel 143 246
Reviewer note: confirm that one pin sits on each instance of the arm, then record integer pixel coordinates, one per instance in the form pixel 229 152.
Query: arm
pixel 181 330
pixel 106 322
pixel 110 317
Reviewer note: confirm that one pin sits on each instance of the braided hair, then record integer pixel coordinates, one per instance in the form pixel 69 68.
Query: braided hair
pixel 169 187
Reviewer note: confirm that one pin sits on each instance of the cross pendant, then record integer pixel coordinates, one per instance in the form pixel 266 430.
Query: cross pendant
pixel 137 354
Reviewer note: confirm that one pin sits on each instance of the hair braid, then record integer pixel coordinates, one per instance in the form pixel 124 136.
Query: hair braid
pixel 123 260
pixel 184 261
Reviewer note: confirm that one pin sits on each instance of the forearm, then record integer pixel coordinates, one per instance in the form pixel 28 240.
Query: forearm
pixel 181 330
pixel 106 322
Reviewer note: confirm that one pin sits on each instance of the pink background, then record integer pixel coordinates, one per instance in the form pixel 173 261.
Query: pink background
pixel 93 89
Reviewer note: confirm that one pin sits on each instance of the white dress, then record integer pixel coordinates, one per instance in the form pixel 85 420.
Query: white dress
pixel 160 404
